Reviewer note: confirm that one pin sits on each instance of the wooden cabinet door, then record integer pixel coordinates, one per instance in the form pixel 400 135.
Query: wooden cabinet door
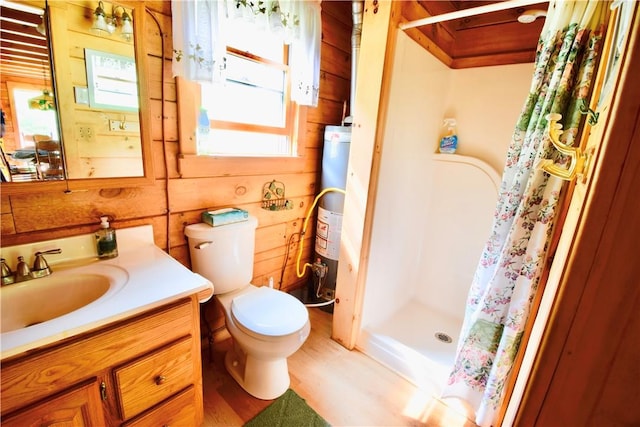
pixel 75 407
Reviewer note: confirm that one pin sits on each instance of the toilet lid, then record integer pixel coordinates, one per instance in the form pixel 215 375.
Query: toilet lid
pixel 269 312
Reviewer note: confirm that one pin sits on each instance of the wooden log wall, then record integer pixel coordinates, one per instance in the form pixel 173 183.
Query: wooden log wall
pixel 174 202
pixel 90 154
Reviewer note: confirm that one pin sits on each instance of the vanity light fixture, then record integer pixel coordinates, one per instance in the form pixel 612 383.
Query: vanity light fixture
pixel 100 21
pixel 126 32
pixel 105 25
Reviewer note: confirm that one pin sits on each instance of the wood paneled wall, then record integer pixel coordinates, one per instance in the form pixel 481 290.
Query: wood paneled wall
pixel 174 202
pixel 8 137
pixel 90 156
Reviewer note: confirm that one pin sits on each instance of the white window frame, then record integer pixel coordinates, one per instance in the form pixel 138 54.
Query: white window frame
pixel 291 112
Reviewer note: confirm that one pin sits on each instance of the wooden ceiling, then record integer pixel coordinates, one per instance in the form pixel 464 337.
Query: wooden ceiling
pixel 494 38
pixel 24 52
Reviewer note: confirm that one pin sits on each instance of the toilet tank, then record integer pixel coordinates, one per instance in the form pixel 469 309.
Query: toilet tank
pixel 223 254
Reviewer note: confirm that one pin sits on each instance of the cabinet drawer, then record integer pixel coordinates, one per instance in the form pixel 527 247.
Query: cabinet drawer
pixel 179 410
pixel 154 377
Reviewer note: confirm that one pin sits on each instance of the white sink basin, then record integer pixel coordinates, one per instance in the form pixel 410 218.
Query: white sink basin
pixel 37 301
pixel 83 294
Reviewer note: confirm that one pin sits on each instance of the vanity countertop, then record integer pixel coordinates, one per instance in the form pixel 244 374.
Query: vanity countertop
pixel 154 279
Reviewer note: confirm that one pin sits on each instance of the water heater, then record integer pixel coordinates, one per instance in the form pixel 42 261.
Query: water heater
pixel 335 157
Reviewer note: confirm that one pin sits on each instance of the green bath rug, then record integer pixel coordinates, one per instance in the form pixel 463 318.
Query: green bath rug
pixel 289 410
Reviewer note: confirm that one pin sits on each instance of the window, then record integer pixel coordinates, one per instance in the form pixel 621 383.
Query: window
pixel 111 80
pixel 28 121
pixel 257 120
pixel 250 113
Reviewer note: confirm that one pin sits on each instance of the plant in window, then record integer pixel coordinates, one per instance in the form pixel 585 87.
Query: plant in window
pixel 269 9
pixel 196 55
pixel 257 7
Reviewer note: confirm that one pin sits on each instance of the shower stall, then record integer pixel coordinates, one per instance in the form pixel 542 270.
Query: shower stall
pixel 417 282
pixel 433 212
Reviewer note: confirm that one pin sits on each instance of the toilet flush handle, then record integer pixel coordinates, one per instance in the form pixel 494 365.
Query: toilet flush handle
pixel 203 245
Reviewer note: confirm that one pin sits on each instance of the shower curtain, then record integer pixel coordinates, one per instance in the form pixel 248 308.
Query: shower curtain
pixel 511 263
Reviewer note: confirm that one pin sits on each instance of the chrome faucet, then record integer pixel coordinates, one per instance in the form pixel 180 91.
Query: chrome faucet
pixel 40 266
pixel 7 275
pixel 23 272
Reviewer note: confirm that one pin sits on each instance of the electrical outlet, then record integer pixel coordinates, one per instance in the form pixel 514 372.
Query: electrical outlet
pixel 85 133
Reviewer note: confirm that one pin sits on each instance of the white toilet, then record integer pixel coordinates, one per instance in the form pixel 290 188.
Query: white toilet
pixel 266 325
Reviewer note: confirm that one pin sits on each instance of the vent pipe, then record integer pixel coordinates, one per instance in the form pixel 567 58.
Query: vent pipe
pixel 357 8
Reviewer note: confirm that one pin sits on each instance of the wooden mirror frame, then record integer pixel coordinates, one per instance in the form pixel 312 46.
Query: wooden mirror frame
pixel 70 185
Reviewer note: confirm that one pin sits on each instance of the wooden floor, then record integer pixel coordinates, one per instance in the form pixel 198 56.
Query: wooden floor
pixel 346 388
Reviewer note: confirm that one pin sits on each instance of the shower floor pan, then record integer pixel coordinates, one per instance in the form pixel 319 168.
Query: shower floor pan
pixel 410 343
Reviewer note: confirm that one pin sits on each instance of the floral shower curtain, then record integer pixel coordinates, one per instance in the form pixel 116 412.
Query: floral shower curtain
pixel 511 263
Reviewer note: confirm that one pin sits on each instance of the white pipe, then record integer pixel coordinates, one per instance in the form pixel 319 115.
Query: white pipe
pixel 509 4
pixel 320 304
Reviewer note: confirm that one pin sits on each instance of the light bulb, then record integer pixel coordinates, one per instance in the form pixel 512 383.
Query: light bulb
pixel 127 27
pixel 111 25
pixel 99 21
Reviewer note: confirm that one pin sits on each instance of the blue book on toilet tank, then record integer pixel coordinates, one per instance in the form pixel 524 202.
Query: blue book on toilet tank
pixel 224 216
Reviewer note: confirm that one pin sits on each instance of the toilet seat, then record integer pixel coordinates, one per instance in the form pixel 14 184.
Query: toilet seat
pixel 268 312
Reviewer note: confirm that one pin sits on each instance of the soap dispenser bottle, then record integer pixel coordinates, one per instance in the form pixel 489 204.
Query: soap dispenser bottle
pixel 106 243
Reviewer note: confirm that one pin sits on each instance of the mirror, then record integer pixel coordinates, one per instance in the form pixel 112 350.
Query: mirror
pixel 31 148
pixel 101 98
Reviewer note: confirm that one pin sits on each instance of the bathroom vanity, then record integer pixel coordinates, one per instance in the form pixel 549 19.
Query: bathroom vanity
pixel 131 357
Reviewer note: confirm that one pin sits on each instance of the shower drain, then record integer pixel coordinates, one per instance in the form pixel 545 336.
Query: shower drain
pixel 441 336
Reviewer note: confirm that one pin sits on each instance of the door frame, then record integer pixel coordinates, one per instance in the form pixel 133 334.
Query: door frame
pixel 610 203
